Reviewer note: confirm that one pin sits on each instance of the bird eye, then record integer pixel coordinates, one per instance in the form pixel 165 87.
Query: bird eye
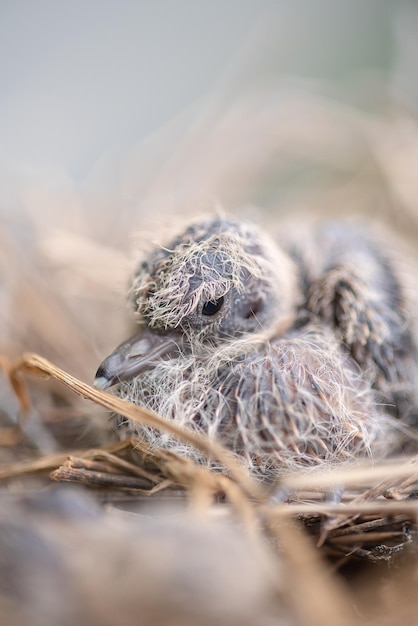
pixel 212 307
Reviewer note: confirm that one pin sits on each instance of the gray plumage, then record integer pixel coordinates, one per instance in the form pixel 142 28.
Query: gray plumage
pixel 292 355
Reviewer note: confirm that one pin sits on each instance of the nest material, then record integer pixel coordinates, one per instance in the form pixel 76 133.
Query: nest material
pixel 361 513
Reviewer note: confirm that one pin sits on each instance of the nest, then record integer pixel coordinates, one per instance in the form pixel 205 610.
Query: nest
pixel 320 522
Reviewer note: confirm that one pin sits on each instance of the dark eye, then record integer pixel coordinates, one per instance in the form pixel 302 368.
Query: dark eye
pixel 212 307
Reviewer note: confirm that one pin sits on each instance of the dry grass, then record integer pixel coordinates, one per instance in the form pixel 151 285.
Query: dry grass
pixel 364 513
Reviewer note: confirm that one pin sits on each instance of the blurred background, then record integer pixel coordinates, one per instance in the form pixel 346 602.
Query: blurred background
pixel 119 120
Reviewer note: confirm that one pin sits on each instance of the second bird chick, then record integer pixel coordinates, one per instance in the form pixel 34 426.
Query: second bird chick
pixel 292 356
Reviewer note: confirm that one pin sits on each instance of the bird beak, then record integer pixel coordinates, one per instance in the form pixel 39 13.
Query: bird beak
pixel 135 355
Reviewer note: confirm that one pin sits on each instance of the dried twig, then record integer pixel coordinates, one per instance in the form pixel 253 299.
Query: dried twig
pixel 38 366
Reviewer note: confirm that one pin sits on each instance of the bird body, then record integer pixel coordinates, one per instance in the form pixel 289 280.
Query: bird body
pixel 292 355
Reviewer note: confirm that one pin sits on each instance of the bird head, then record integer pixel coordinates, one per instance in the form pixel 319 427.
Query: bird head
pixel 217 281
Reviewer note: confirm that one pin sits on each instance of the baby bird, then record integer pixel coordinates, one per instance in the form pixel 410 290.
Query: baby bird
pixel 292 355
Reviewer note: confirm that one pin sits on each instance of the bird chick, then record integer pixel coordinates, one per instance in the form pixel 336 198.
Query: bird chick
pixel 285 354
